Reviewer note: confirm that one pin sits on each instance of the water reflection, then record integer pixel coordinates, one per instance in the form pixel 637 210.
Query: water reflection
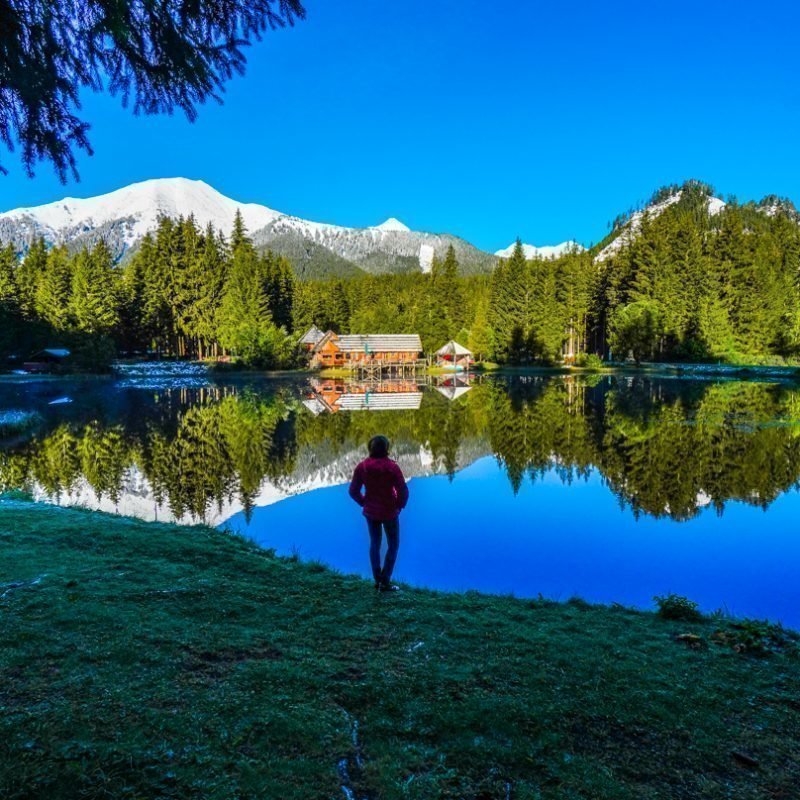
pixel 663 447
pixel 333 396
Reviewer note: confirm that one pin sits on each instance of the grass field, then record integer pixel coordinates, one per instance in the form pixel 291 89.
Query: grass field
pixel 147 661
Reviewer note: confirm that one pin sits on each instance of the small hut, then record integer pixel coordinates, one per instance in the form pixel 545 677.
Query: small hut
pixel 455 356
pixel 47 360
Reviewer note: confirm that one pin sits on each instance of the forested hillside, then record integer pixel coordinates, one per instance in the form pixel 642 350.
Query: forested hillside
pixel 688 278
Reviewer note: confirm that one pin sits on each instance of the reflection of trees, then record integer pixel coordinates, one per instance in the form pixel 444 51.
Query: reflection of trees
pixel 215 451
pixel 737 441
pixel 539 425
pixel 663 447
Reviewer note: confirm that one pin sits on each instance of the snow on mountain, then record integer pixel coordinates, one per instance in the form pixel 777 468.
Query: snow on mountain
pixel 547 251
pixel 121 218
pixel 631 229
pixel 140 206
pixel 393 224
pixel 315 469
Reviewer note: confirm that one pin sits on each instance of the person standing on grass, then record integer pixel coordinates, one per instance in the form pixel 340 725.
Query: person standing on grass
pixel 385 495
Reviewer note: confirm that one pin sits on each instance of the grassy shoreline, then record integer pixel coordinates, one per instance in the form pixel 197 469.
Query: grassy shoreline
pixel 148 660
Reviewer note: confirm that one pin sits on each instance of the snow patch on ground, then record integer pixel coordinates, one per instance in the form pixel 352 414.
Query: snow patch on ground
pixel 426 255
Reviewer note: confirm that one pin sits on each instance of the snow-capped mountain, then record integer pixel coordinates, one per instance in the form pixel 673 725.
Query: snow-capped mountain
pixel 124 216
pixel 137 209
pixel 547 251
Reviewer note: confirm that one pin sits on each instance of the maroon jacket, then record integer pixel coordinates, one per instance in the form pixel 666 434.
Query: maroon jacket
pixel 385 491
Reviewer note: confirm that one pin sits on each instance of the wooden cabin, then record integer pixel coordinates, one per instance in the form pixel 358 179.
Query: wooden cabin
pixel 47 360
pixel 357 350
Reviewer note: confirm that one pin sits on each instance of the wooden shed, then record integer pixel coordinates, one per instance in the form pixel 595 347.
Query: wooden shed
pixel 47 360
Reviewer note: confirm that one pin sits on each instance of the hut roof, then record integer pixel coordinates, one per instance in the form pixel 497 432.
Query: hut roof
pixel 380 343
pixel 53 352
pixel 453 348
pixel 312 335
pixel 453 392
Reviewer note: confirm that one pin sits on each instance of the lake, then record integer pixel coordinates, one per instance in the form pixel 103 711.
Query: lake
pixel 614 488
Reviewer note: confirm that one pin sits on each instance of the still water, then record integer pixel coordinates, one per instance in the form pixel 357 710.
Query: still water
pixel 614 488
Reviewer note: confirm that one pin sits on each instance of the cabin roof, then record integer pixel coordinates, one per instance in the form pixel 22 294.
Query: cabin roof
pixel 380 343
pixel 312 335
pixel 54 352
pixel 325 338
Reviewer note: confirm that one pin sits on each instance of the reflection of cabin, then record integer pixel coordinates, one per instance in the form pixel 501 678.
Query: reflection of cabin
pixel 454 355
pixel 311 338
pixel 371 352
pixel 333 396
pixel 47 360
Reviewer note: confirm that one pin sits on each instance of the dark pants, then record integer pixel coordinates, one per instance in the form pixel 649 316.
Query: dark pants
pixel 392 528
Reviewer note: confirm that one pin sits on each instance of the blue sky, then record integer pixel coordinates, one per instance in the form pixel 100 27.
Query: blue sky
pixel 542 120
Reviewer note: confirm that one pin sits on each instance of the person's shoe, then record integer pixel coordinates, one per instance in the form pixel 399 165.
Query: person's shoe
pixel 378 586
pixel 389 587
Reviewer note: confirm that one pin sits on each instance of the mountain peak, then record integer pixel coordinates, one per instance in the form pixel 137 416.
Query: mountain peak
pixel 393 224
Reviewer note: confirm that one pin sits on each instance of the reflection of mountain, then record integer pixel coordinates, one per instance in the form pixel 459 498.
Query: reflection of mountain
pixel 663 447
pixel 314 469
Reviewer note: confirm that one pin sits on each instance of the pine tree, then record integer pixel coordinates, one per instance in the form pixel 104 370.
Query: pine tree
pixel 239 238
pixel 160 57
pixel 480 334
pixel 213 270
pixel 447 294
pixel 244 323
pixel 8 283
pixel 156 262
pixel 94 291
pixel 508 306
pixel 54 288
pixel 29 272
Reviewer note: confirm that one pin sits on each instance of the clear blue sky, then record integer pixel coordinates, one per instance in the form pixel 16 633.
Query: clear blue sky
pixel 488 120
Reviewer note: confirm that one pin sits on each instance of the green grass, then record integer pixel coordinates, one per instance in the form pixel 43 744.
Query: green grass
pixel 336 372
pixel 143 660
